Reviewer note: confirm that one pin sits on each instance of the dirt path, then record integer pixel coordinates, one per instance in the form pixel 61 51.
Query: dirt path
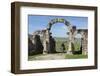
pixel 47 56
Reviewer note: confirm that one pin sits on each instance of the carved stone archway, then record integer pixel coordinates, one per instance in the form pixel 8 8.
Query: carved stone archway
pixel 59 20
pixel 70 28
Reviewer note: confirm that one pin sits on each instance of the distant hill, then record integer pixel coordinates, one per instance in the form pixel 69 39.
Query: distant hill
pixel 66 39
pixel 60 39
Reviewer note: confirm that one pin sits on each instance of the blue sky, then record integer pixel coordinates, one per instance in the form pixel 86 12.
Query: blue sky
pixel 39 22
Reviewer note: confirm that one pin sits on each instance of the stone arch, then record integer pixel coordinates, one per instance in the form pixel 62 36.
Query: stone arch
pixel 71 30
pixel 59 20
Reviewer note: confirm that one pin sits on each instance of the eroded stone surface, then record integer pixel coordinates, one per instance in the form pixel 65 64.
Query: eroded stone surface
pixel 43 42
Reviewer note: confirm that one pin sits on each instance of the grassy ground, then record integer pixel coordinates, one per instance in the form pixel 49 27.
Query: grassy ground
pixel 75 56
pixel 59 42
pixel 60 55
pixel 55 56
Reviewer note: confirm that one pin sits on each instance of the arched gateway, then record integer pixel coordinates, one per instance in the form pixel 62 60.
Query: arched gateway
pixel 59 20
pixel 47 34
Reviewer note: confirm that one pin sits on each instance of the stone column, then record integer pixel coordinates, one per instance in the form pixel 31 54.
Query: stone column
pixel 48 39
pixel 84 43
pixel 45 47
pixel 71 40
pixel 70 44
pixel 46 43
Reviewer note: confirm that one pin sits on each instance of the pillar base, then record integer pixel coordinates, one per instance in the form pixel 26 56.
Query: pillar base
pixel 85 53
pixel 44 52
pixel 70 52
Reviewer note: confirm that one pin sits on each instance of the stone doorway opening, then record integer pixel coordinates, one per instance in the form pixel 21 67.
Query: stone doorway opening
pixel 59 33
pixel 59 40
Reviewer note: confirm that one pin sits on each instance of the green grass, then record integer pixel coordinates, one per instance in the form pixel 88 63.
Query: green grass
pixel 61 55
pixel 56 56
pixel 59 42
pixel 75 56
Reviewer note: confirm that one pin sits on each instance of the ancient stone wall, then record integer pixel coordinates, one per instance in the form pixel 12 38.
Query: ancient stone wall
pixel 84 40
pixel 47 45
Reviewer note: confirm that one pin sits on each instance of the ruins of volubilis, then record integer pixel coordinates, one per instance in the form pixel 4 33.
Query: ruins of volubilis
pixel 42 41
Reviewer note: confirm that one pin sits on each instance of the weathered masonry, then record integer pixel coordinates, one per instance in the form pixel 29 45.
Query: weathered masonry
pixel 49 42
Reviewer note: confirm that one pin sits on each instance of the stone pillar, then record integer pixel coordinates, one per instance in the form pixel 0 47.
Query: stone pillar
pixel 84 40
pixel 45 47
pixel 71 40
pixel 46 42
pixel 84 43
pixel 70 44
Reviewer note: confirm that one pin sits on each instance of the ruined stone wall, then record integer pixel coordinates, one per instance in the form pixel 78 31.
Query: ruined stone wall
pixel 84 40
